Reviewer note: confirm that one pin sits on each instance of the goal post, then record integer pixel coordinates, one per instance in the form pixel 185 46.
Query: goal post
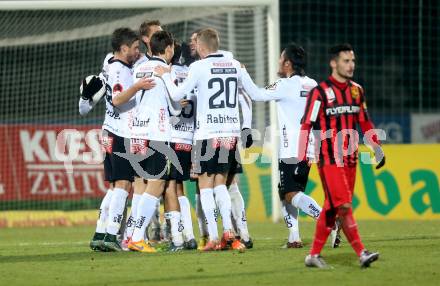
pixel 34 32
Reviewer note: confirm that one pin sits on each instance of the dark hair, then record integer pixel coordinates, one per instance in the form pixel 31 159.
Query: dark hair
pixel 187 59
pixel 177 53
pixel 144 29
pixel 160 41
pixel 335 50
pixel 123 36
pixel 298 57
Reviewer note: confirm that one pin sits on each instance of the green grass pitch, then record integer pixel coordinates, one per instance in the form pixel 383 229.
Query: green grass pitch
pixel 410 255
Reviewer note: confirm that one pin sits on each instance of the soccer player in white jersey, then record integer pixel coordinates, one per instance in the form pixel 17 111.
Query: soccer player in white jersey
pixel 290 93
pixel 217 127
pixel 117 170
pixel 152 129
pixel 146 30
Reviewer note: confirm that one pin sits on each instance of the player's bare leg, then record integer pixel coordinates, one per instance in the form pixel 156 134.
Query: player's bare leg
pixel 185 212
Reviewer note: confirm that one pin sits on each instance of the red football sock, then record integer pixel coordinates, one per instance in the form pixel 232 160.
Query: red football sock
pixel 324 226
pixel 349 226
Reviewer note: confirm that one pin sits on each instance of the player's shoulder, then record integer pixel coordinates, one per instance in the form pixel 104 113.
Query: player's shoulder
pixel 116 65
pixel 307 83
pixel 356 85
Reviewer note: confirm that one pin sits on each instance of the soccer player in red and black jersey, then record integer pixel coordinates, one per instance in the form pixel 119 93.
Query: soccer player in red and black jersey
pixel 334 109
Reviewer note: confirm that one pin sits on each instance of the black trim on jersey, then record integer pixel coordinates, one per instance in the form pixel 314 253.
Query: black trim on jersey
pixel 113 60
pixel 215 56
pixel 153 58
pixel 148 56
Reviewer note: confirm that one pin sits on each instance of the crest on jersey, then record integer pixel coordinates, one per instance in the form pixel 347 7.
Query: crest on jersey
pixel 117 88
pixel 330 95
pixel 354 92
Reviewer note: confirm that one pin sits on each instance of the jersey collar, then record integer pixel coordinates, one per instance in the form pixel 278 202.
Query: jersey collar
pixel 113 60
pixel 153 58
pixel 214 55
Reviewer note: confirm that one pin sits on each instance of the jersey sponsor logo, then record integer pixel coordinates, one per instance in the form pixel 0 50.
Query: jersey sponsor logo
pixel 221 119
pixel 285 138
pixel 162 119
pixel 138 146
pixel 303 93
pixel 228 64
pixel 307 87
pixel 272 86
pixel 343 109
pixel 183 147
pixel 330 95
pixel 113 114
pixel 140 123
pixel 144 74
pixel 223 71
pixel 184 127
pixel 354 92
pixel 226 142
pixel 107 144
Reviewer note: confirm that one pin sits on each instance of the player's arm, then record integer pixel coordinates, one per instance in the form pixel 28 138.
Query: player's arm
pixel 178 92
pixel 125 90
pixel 246 111
pixel 272 92
pixel 367 127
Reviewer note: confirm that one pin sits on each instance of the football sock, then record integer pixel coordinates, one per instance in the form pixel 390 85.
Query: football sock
pixel 307 204
pixel 103 212
pixel 223 201
pixel 208 205
pixel 326 221
pixel 349 226
pixel 203 226
pixel 239 211
pixel 290 214
pixel 185 212
pixel 116 210
pixel 146 208
pixel 131 222
pixel 176 235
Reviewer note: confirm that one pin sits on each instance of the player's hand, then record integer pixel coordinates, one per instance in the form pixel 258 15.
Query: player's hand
pixel 184 102
pixel 145 83
pixel 91 88
pixel 161 70
pixel 246 137
pixel 380 157
pixel 301 172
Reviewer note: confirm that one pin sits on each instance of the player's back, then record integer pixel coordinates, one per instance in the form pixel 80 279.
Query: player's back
pixel 119 78
pixel 217 108
pixel 151 119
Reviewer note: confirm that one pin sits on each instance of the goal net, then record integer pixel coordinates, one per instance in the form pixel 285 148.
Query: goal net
pixel 47 47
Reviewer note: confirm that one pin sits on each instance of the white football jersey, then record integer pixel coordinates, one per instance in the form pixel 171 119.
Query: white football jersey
pixel 182 126
pixel 119 77
pixel 152 119
pixel 290 95
pixel 216 79
pixel 246 109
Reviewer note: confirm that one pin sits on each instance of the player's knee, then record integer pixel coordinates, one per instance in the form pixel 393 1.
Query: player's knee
pixel 289 196
pixel 343 209
pixel 122 184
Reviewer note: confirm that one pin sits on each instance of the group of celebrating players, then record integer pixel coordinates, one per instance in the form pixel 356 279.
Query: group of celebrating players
pixel 173 114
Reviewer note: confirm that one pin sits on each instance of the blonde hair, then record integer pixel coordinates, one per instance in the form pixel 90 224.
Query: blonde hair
pixel 209 37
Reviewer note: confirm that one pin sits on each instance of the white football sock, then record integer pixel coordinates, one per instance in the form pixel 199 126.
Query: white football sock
pixel 208 205
pixel 239 211
pixel 223 201
pixel 131 222
pixel 290 214
pixel 185 212
pixel 176 235
pixel 116 210
pixel 103 212
pixel 146 208
pixel 201 219
pixel 307 204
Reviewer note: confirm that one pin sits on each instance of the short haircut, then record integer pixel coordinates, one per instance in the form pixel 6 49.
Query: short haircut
pixel 123 36
pixel 210 38
pixel 160 41
pixel 335 50
pixel 145 28
pixel 177 53
pixel 297 56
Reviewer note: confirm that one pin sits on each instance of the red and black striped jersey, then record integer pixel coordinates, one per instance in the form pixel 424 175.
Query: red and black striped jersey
pixel 334 110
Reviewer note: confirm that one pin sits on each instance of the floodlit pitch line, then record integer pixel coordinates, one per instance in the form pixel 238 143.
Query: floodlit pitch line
pixel 62 167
